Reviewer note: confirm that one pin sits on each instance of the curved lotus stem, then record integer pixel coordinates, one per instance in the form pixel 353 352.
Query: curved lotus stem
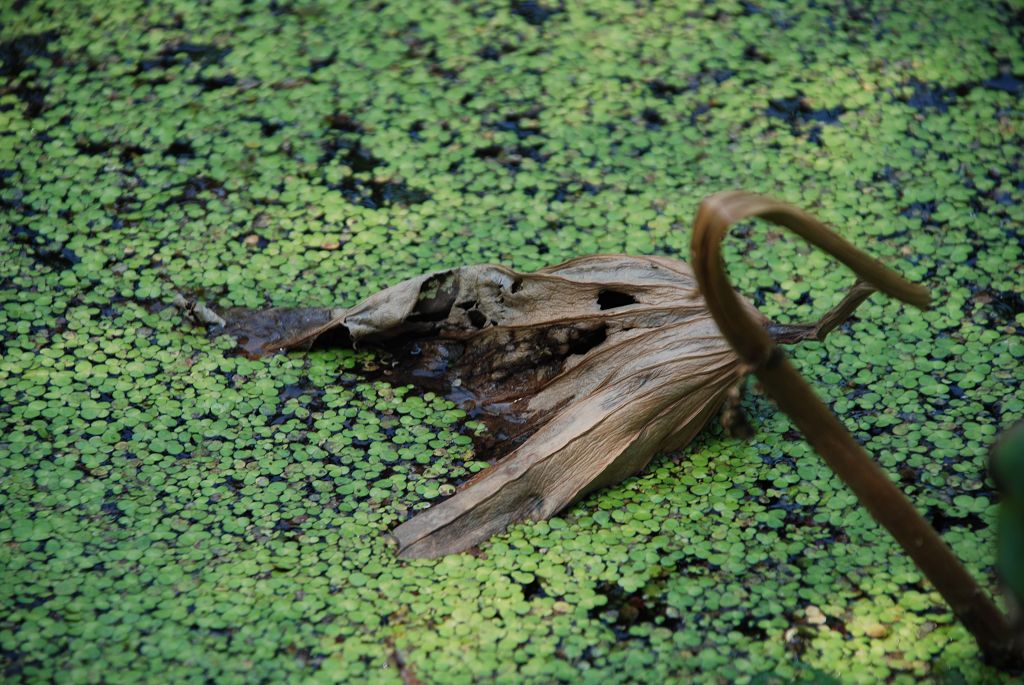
pixel 886 503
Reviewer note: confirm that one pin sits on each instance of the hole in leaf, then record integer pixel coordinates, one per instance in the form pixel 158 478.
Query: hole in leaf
pixel 436 299
pixel 477 318
pixel 588 340
pixel 612 299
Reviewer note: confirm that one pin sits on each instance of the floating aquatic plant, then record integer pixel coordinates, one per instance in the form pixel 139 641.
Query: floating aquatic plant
pixel 143 527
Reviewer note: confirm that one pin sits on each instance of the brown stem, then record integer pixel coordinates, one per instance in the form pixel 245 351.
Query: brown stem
pixel 788 334
pixel 886 503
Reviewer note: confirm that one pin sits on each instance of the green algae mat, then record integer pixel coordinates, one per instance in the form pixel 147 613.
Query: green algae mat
pixel 171 510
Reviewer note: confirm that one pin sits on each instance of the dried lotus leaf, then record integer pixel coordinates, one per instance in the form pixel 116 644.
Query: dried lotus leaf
pixel 596 364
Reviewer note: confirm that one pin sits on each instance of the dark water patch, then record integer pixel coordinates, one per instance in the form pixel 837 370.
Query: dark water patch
pixel 109 311
pixel 908 474
pixel 293 525
pixel 17 52
pixel 268 127
pixel 180 149
pixel 16 55
pixel 261 331
pixel 339 121
pixel 920 210
pixel 34 99
pixel 752 53
pixel 933 96
pixel 540 245
pixel 128 151
pixel 495 52
pixel 415 129
pixel 513 123
pixel 943 521
pixel 195 186
pixel 533 590
pixel 204 53
pixel 652 119
pixel 534 13
pixel 798 517
pixel 210 83
pixel 826 115
pixel 564 192
pixel 927 97
pixel 795 111
pixel 280 419
pixel 487 152
pixel 293 390
pixel 112 510
pixel 667 91
pixel 511 156
pixel 184 53
pixel 749 627
pixel 720 75
pixel 888 174
pixel 837 624
pixel 425 49
pixel 4 175
pixel 396 193
pixel 625 609
pixel 352 153
pixel 701 108
pixel 1006 82
pixel 324 62
pixel 1002 197
pixel 55 256
pixel 374 194
pixel 1005 305
pixel 798 114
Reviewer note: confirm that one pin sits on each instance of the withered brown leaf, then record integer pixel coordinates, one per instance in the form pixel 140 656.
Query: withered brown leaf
pixel 597 364
pixel 593 366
